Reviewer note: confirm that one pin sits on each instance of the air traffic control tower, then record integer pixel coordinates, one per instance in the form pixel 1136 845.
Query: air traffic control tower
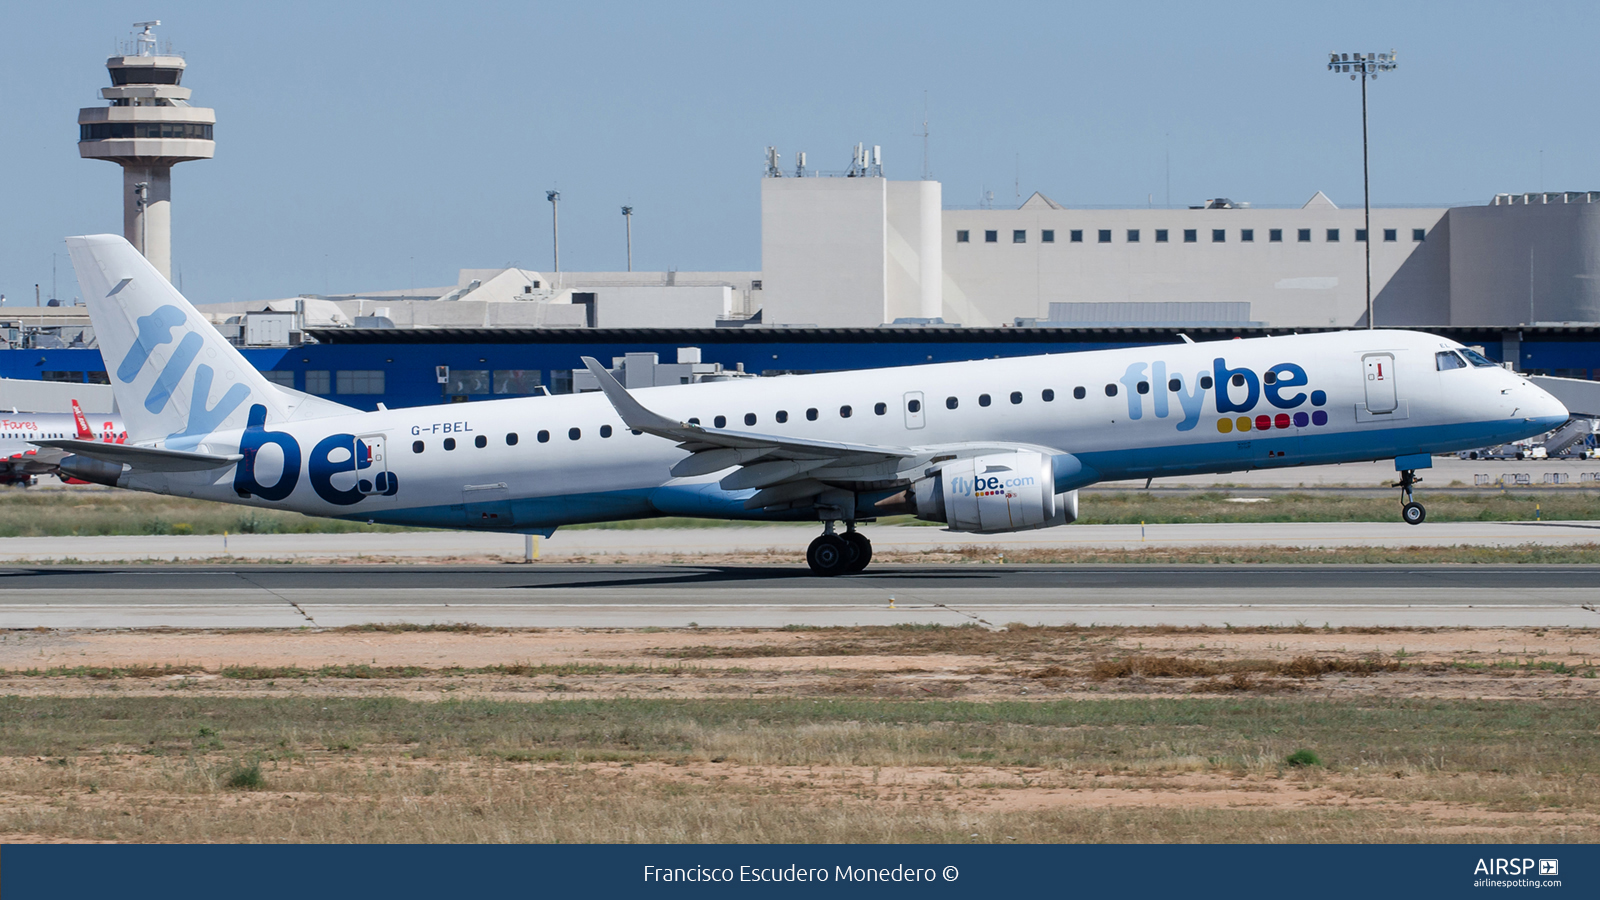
pixel 148 127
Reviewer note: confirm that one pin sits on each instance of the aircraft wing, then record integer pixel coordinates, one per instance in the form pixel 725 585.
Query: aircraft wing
pixel 781 469
pixel 150 459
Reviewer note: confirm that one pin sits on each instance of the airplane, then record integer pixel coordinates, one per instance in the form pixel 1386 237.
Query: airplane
pixel 20 459
pixel 986 447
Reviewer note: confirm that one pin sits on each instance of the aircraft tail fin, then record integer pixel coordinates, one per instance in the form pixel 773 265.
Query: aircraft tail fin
pixel 78 419
pixel 175 377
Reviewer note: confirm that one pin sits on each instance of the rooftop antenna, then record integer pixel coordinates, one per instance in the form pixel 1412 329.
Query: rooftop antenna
pixel 1016 186
pixel 144 43
pixel 927 175
pixel 772 163
pixel 800 164
pixel 877 160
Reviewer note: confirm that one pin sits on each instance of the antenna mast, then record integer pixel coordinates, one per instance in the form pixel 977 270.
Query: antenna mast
pixel 927 175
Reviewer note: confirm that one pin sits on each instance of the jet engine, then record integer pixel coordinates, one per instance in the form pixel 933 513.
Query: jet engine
pixel 995 493
pixel 96 471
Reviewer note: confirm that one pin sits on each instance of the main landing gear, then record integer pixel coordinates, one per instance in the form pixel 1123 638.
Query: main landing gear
pixel 839 554
pixel 1411 511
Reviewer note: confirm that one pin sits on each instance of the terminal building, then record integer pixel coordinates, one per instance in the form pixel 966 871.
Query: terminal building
pixel 859 270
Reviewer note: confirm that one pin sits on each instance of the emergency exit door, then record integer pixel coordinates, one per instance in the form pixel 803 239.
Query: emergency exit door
pixel 914 411
pixel 1379 376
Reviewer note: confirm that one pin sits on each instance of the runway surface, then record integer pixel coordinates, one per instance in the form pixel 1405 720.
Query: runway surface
pixel 753 596
pixel 790 540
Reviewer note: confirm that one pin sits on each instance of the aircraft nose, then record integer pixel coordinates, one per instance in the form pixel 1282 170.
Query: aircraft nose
pixel 1544 407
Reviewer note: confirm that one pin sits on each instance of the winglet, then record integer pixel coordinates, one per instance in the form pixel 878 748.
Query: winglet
pixel 633 413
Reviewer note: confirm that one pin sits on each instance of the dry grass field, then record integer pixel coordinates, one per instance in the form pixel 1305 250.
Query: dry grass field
pixel 459 733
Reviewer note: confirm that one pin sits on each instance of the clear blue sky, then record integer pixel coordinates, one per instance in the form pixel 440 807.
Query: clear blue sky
pixel 365 146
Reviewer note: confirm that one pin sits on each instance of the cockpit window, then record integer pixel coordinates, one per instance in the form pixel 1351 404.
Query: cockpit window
pixel 1447 359
pixel 1478 359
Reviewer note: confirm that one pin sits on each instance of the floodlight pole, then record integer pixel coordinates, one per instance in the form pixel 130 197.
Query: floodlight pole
pixel 1362 67
pixel 555 227
pixel 1366 202
pixel 627 215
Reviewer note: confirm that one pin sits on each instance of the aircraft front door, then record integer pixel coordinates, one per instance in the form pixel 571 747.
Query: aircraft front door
pixel 1379 377
pixel 914 411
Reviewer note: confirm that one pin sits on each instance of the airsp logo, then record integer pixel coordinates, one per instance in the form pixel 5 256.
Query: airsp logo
pixel 155 330
pixel 333 456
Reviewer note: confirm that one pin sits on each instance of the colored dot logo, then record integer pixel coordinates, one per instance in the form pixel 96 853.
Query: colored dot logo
pixel 1267 423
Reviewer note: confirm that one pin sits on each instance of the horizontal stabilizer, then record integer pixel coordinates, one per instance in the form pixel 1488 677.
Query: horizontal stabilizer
pixel 148 459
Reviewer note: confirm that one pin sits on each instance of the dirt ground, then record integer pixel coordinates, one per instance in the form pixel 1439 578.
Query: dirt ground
pixel 969 663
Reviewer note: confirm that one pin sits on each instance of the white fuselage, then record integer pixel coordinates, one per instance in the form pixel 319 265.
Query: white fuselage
pixel 537 463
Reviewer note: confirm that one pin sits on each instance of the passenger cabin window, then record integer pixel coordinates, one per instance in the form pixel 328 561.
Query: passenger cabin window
pixel 543 436
pixel 880 408
pixel 1143 387
pixel 449 443
pixel 573 434
pixel 1205 382
pixel 844 412
pixel 605 431
pixel 811 414
pixel 914 405
pixel 951 403
pixel 1269 377
pixel 416 446
pixel 1079 393
pixel 1016 398
pixel 720 421
pixel 1446 359
pixel 1174 384
pixel 480 442
pixel 1111 390
pixel 749 418
pixel 983 399
pixel 1047 395
pixel 782 416
pixel 511 439
pixel 1238 381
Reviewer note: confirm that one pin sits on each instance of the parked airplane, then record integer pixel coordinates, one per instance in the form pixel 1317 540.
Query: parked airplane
pixel 986 447
pixel 20 432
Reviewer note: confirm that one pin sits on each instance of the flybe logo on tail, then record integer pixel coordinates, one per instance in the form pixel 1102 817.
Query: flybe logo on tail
pixel 1239 390
pixel 333 456
pixel 155 330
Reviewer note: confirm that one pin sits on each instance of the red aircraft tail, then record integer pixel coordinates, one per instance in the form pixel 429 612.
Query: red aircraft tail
pixel 84 434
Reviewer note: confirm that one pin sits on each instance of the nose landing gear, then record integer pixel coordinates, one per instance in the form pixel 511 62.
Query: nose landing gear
pixel 839 554
pixel 1411 512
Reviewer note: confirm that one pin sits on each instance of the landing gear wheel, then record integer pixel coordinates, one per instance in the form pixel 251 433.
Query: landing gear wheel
pixel 828 555
pixel 1413 513
pixel 858 551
